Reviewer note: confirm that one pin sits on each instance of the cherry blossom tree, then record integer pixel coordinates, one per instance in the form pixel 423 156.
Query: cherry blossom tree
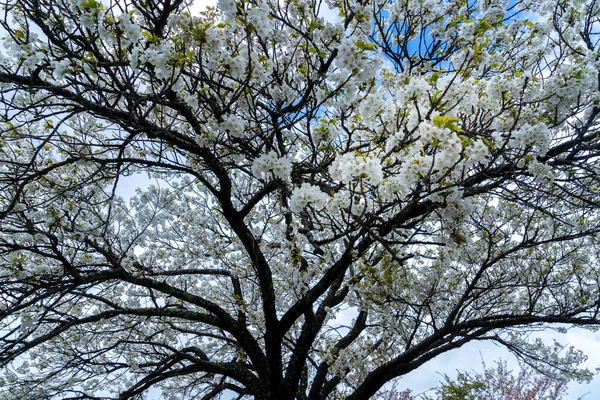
pixel 333 201
pixel 499 382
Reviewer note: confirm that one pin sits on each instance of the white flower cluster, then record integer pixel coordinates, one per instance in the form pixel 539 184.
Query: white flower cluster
pixel 353 59
pixel 281 167
pixel 191 100
pixel 457 207
pixel 305 195
pixel 61 68
pixel 414 87
pixel 233 125
pixel 228 8
pixel 89 20
pixel 132 33
pixel 157 55
pixel 259 18
pixel 26 53
pixel 477 153
pixel 371 105
pixel 540 171
pixel 394 187
pixel 531 135
pixel 352 166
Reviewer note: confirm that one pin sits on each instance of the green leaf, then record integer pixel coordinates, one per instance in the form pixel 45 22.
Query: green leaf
pixel 447 122
pixel 364 46
pixel 488 143
pixel 91 5
pixel 150 37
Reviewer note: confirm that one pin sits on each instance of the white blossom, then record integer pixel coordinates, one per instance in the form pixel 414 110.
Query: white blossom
pixel 350 166
pixel 281 167
pixel 305 195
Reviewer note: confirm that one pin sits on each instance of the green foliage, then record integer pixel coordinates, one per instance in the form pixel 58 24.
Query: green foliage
pixel 466 387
